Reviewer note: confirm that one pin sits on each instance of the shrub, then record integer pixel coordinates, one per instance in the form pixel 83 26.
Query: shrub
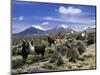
pixel 68 44
pixel 72 54
pixel 59 61
pixel 17 62
pixel 54 57
pixel 69 36
pixel 61 49
pixel 81 50
pixel 81 47
pixel 30 57
pixel 50 66
pixel 91 38
pixel 49 50
pixel 16 51
pixel 74 49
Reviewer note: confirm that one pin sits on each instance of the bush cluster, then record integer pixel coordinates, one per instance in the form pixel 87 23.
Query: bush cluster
pixel 91 39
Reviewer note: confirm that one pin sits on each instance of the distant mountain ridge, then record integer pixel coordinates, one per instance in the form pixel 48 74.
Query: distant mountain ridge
pixel 91 30
pixel 40 31
pixel 60 29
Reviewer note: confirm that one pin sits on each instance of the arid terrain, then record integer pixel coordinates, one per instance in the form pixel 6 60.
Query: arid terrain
pixel 35 63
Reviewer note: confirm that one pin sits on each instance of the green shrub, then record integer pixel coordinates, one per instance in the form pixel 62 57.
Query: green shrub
pixel 60 61
pixel 50 50
pixel 74 49
pixel 30 57
pixel 81 47
pixel 16 51
pixel 68 44
pixel 54 57
pixel 91 38
pixel 61 49
pixel 29 61
pixel 17 62
pixel 72 55
pixel 49 66
pixel 81 50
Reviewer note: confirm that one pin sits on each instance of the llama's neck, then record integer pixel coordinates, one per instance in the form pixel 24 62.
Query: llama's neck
pixel 31 46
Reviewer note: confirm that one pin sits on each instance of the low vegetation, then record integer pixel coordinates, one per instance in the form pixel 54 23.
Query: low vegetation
pixel 70 52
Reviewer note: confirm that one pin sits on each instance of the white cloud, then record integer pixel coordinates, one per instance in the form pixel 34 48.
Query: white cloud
pixel 21 18
pixel 85 21
pixel 45 23
pixel 69 10
pixel 38 27
pixel 53 19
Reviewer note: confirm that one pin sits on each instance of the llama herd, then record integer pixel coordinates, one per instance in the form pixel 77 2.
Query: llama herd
pixel 71 48
pixel 28 47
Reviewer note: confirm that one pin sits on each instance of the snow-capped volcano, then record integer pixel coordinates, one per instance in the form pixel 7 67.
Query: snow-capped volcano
pixel 32 30
pixel 38 27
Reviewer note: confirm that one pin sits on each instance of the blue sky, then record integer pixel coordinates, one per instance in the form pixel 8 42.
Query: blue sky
pixel 48 16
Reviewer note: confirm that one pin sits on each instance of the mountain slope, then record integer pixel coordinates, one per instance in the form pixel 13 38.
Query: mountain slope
pixel 30 31
pixel 61 29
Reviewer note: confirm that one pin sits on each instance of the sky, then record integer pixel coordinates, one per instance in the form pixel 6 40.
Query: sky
pixel 46 16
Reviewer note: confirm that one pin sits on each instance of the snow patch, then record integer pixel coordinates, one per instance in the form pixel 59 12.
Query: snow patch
pixel 38 27
pixel 64 26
